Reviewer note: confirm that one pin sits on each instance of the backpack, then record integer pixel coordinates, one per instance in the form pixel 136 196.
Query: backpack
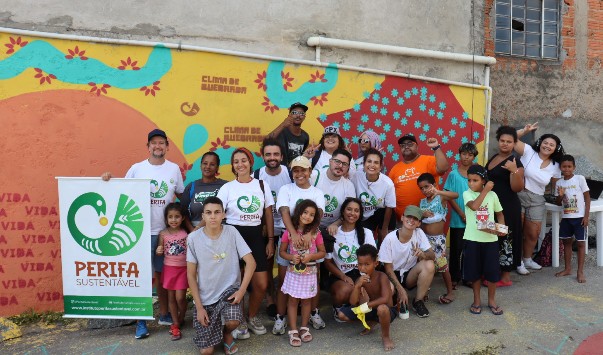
pixel 544 257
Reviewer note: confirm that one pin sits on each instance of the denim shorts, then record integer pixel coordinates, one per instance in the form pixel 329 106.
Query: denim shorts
pixel 572 227
pixel 157 260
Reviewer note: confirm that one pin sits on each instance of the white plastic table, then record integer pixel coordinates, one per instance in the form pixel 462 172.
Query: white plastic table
pixel 596 208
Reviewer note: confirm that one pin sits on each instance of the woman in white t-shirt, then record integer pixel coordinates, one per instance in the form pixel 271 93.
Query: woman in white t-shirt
pixel 342 263
pixel 246 200
pixel 541 167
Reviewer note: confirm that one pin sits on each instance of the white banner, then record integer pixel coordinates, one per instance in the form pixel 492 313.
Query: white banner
pixel 106 248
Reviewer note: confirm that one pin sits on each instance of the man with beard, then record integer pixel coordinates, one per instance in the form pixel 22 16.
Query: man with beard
pixel 276 175
pixel 405 173
pixel 166 182
pixel 290 135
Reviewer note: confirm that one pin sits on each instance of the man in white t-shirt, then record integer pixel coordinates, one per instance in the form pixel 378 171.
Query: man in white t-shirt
pixel 166 182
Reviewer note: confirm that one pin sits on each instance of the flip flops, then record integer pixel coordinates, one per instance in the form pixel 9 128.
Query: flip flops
pixel 230 349
pixel 496 310
pixel 445 300
pixel 475 309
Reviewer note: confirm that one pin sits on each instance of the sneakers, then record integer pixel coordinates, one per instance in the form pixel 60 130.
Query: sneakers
pixel 241 332
pixel 419 307
pixel 165 320
pixel 279 325
pixel 336 315
pixel 175 331
pixel 256 326
pixel 316 320
pixel 531 264
pixel 521 269
pixel 141 330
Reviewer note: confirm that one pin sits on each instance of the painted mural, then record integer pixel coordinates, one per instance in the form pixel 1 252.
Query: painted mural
pixel 76 108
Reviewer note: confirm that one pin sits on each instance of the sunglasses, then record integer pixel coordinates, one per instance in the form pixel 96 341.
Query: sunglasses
pixel 364 141
pixel 299 113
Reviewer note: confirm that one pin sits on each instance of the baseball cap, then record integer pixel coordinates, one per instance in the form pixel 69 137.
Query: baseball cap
pixel 331 130
pixel 302 162
pixel 156 132
pixel 413 211
pixel 477 169
pixel 298 104
pixel 407 137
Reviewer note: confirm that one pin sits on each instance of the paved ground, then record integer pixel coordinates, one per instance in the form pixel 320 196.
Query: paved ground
pixel 543 315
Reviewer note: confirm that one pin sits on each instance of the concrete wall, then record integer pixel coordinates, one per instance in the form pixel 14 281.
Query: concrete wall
pixel 275 28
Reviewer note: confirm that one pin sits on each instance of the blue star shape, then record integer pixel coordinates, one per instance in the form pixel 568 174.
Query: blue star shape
pixel 397 133
pixel 361 128
pixel 396 115
pixel 431 112
pixel 346 141
pixel 454 120
pixel 440 131
pixel 445 139
pixel 394 92
pixel 395 156
pixel 347 115
pixel 423 97
pixel 382 136
pixel 377 86
pixel 374 108
pixel 390 148
pixel 386 127
pixel 462 124
pixel 455 166
pixel 422 107
pixel 335 124
pixel 475 135
pixel 385 101
pixel 366 94
pixel 423 90
pixel 346 126
pixel 465 115
pixel 383 111
pixel 400 101
pixel 426 127
pixel 422 137
pixel 322 117
pixel 464 140
pixel 457 157
pixel 376 97
pixel 407 94
pixel 355 139
pixel 364 118
pixel 377 123
pixel 440 115
pixel 404 121
pixel 442 105
pixel 417 124
pixel 432 98
pixel 415 91
pixel 408 112
pixel 449 154
pixel 452 133
pixel 356 107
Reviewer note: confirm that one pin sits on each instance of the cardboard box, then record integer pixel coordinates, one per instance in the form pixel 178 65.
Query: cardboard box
pixel 491 227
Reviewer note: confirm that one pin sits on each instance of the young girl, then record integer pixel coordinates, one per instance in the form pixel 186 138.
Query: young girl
pixel 172 244
pixel 301 278
pixel 481 248
pixel 434 210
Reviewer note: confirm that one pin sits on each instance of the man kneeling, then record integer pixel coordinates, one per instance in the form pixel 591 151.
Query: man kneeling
pixel 372 296
pixel 214 278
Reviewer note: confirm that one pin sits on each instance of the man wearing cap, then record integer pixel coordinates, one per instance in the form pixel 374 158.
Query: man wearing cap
pixel 290 134
pixel 166 182
pixel 405 173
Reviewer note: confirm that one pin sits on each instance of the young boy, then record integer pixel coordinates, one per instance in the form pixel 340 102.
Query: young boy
pixel 457 182
pixel 214 278
pixel 573 195
pixel 481 248
pixel 374 289
pixel 434 209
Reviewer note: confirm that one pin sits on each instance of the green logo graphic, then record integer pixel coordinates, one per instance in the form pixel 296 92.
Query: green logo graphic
pixel 332 203
pixel 246 206
pixel 344 253
pixel 124 233
pixel 157 190
pixel 368 200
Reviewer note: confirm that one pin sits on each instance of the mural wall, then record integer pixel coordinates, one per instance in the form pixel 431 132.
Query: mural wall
pixel 76 108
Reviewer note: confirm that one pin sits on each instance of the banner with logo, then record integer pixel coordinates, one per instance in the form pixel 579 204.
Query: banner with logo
pixel 105 248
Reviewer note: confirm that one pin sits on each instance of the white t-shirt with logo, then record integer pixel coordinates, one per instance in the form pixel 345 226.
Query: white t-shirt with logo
pixel 290 195
pixel 400 254
pixel 374 195
pixel 573 200
pixel 335 193
pixel 344 250
pixel 276 182
pixel 166 181
pixel 245 202
pixel 536 179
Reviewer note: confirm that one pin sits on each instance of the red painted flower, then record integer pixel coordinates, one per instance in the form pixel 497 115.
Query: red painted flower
pixel 76 53
pixel 151 88
pixel 218 144
pixel 98 90
pixel 184 168
pixel 14 43
pixel 268 105
pixel 44 78
pixel 128 63
pixel 287 80
pixel 317 77
pixel 320 100
pixel 261 81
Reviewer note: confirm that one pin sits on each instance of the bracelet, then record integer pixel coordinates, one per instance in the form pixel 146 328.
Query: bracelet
pixel 436 147
pixel 515 172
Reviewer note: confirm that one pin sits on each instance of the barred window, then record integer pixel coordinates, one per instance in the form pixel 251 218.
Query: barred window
pixel 527 28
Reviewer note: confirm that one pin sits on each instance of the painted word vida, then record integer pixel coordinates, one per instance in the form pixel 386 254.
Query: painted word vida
pixel 14 197
pixel 106 269
pixel 40 211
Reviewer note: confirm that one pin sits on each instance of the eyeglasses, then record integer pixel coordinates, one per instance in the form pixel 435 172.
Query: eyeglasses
pixel 339 162
pixel 364 141
pixel 299 113
pixel 407 145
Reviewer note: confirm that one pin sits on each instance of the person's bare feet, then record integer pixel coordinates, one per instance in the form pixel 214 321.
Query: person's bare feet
pixel 565 272
pixel 388 344
pixel 581 278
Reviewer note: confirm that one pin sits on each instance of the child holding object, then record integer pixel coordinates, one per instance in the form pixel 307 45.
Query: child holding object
pixel 573 195
pixel 372 297
pixel 481 248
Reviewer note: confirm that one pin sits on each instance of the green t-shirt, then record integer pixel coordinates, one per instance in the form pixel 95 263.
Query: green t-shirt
pixel 486 211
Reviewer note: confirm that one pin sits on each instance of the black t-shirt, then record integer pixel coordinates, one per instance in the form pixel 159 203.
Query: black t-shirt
pixel 293 145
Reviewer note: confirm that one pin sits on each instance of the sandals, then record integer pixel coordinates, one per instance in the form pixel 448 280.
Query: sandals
pixel 445 300
pixel 230 349
pixel 294 339
pixel 475 309
pixel 496 310
pixel 306 337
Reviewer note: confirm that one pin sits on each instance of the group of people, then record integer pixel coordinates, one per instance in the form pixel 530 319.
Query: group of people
pixel 334 222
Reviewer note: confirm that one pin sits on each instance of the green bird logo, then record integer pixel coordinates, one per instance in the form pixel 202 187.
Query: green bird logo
pixel 248 206
pixel 157 190
pixel 368 200
pixel 332 203
pixel 124 233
